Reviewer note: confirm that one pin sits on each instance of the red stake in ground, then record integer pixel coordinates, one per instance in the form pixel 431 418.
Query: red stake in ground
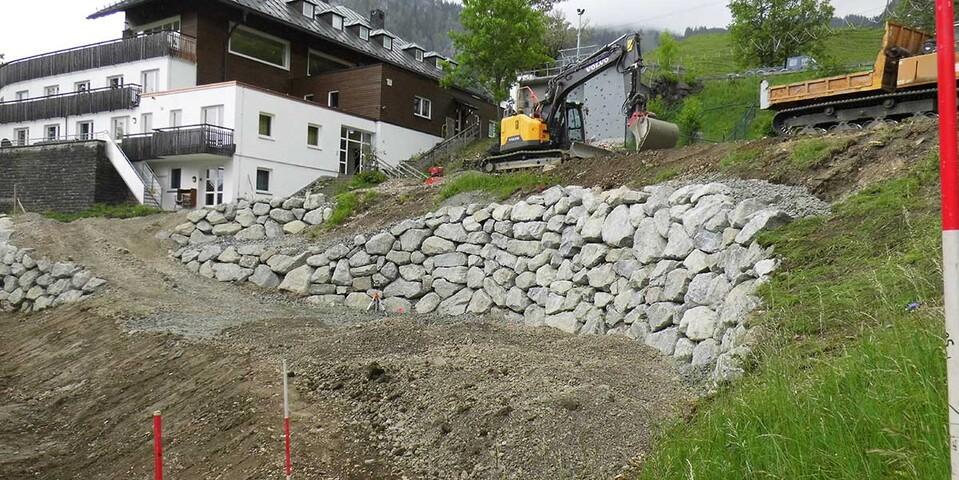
pixel 157 446
pixel 286 426
pixel 949 168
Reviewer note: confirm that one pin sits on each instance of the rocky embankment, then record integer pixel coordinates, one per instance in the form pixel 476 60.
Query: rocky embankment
pixel 34 284
pixel 677 268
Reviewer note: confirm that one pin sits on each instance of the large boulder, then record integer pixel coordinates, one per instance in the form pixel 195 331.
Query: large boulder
pixel 617 228
pixel 298 280
pixel 700 322
pixel 380 244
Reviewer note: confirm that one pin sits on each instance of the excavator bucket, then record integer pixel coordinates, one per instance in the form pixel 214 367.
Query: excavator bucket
pixel 652 134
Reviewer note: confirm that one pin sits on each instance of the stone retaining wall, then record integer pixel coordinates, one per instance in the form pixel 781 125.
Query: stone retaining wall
pixel 33 284
pixel 675 268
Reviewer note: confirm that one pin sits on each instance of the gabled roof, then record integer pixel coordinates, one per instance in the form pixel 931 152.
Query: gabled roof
pixel 279 10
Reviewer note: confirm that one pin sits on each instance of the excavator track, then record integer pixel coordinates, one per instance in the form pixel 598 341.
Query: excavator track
pixel 856 111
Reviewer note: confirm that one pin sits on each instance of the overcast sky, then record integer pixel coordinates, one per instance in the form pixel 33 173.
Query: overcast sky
pixel 31 27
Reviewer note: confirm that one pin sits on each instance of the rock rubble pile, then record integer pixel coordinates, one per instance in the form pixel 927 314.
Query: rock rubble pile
pixel 675 268
pixel 33 284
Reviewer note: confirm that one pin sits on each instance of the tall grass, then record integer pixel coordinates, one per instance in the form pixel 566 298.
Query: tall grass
pixel 499 187
pixel 103 210
pixel 848 384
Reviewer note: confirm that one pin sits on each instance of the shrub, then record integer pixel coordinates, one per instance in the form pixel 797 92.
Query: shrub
pixel 690 120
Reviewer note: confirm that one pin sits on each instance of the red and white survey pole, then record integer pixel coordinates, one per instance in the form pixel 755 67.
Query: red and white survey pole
pixel 157 446
pixel 946 59
pixel 288 463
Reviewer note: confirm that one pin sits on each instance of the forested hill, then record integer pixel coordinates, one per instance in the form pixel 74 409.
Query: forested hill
pixel 425 22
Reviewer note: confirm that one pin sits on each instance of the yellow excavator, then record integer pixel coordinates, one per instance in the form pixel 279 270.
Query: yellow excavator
pixel 556 131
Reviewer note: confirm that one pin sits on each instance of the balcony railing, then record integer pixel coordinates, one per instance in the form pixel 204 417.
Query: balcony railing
pixel 97 55
pixel 186 140
pixel 71 104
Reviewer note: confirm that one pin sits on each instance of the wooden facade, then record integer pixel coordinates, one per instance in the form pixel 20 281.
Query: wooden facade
pixel 371 88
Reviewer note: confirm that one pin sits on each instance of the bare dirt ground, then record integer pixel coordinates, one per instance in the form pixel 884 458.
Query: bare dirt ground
pixel 414 397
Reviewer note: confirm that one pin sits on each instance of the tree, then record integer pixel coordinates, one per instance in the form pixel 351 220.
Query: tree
pixel 545 5
pixel 919 14
pixel 767 32
pixel 500 39
pixel 667 54
pixel 560 34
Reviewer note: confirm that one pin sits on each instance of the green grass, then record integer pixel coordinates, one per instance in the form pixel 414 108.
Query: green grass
pixel 103 210
pixel 847 383
pixel 349 204
pixel 362 180
pixel 500 187
pixel 810 152
pixel 739 157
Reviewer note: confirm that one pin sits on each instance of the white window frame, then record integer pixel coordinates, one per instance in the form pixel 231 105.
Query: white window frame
pixel 170 180
pixel 82 86
pixel 272 118
pixel 220 112
pixel 418 109
pixel 364 33
pixel 337 21
pixel 146 122
pixel 309 10
pixel 113 124
pixel 319 136
pixel 46 132
pixel 492 129
pixel 26 136
pixel 22 95
pixel 119 79
pixel 89 134
pixel 172 21
pixel 48 89
pixel 309 97
pixel 144 75
pixel 176 118
pixel 418 55
pixel 387 42
pixel 269 180
pixel 327 56
pixel 329 99
pixel 286 57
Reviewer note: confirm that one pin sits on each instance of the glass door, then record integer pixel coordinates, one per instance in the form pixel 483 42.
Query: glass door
pixel 213 191
pixel 355 147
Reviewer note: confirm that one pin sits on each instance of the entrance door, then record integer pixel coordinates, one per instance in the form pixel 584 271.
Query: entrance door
pixel 213 187
pixel 355 147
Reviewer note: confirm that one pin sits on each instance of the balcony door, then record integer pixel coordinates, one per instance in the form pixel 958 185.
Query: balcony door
pixel 212 115
pixel 213 191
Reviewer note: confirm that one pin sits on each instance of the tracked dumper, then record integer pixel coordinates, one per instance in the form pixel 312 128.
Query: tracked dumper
pixel 902 84
pixel 556 129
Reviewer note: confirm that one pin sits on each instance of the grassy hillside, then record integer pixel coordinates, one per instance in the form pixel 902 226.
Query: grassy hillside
pixel 711 54
pixel 848 383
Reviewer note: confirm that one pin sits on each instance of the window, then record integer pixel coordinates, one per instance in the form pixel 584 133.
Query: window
pixel 248 43
pixel 176 118
pixel 492 129
pixel 85 130
pixel 337 21
pixel 262 180
pixel 52 132
pixel 422 107
pixel 309 97
pixel 115 81
pixel 266 125
pixel 176 175
pixel 418 54
pixel 51 90
pixel 214 186
pixel 364 33
pixel 318 63
pixel 387 42
pixel 313 135
pixel 23 94
pixel 81 86
pixel 22 136
pixel 150 81
pixel 171 24
pixel 333 99
pixel 146 122
pixel 119 126
pixel 309 10
pixel 212 115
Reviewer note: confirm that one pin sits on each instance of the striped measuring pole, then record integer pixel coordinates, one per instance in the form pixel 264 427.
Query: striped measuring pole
pixel 288 463
pixel 946 62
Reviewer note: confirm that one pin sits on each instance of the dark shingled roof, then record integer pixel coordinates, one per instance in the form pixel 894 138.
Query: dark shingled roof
pixel 280 10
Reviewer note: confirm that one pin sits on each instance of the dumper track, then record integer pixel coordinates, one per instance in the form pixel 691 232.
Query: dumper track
pixel 856 111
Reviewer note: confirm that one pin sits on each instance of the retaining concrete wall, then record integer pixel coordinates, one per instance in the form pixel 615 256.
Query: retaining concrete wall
pixel 66 177
pixel 675 268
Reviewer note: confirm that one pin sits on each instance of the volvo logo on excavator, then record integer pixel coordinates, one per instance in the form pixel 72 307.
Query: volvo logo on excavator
pixel 592 68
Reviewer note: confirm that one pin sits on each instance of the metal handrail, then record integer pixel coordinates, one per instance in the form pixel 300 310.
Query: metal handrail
pixel 91 45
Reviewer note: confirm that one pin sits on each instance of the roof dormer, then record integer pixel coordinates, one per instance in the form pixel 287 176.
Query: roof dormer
pixel 415 51
pixel 333 18
pixel 359 28
pixel 307 7
pixel 383 38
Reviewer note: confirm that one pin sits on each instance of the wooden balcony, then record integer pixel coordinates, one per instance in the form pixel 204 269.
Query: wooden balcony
pixel 70 104
pixel 97 55
pixel 197 141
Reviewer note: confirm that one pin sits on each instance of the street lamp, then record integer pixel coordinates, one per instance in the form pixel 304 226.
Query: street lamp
pixel 579 32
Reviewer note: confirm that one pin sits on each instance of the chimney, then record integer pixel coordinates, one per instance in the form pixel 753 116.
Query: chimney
pixel 378 19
